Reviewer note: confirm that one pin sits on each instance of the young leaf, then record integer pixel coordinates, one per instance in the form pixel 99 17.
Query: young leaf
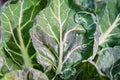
pixel 17 18
pixel 96 6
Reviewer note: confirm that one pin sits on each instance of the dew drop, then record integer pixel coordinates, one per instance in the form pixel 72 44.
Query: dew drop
pixel 77 35
pixel 65 44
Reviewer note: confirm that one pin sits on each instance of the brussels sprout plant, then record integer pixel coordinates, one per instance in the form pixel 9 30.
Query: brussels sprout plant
pixel 60 40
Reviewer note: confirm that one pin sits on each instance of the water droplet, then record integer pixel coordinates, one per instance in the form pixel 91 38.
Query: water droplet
pixel 65 44
pixel 77 35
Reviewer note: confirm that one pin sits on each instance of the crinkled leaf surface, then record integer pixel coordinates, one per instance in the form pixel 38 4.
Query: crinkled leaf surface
pixel 17 18
pixel 26 74
pixel 63 35
pixel 97 6
pixel 109 62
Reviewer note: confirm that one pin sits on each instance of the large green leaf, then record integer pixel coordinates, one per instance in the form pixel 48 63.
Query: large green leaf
pixel 109 62
pixel 109 26
pixel 63 35
pixel 17 18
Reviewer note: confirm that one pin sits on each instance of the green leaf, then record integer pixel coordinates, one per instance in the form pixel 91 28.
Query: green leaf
pixel 26 74
pixel 17 18
pixel 87 71
pixel 116 70
pixel 67 73
pixel 96 6
pixel 109 60
pixel 109 26
pixel 63 35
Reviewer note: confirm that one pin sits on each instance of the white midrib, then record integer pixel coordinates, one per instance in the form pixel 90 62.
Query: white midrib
pixel 24 51
pixel 104 36
pixel 27 62
pixel 60 65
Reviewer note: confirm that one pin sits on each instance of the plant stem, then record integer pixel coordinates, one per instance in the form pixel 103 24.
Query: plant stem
pixel 60 65
pixel 23 49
